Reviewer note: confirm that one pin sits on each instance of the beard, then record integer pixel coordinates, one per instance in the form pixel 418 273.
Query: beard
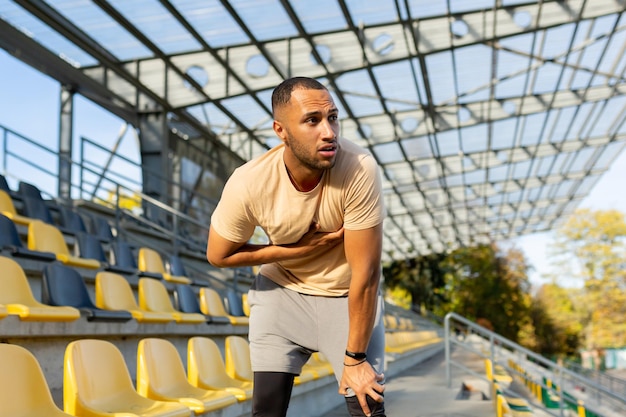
pixel 304 156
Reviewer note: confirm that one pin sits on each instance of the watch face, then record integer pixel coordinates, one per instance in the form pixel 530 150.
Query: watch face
pixel 356 355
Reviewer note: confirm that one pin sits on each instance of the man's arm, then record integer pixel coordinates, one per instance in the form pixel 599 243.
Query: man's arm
pixel 223 253
pixel 363 251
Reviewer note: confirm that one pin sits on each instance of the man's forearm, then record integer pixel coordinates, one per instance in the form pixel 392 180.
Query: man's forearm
pixel 362 311
pixel 252 255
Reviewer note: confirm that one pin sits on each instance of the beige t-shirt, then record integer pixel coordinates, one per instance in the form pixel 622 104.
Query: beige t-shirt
pixel 259 193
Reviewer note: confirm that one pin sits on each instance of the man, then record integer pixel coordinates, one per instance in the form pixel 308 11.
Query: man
pixel 318 199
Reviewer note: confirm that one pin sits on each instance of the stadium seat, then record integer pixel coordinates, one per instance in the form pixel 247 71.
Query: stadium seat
pixel 11 242
pixel 3 311
pixel 206 369
pixel 97 383
pixel 72 221
pixel 244 304
pixel 89 246
pixel 101 228
pixel 161 376
pixel 63 286
pixel 47 238
pixel 24 391
pixel 4 185
pixel 237 358
pixel 233 302
pixel 318 366
pixel 150 261
pixel 113 292
pixel 8 209
pixel 153 296
pixel 186 300
pixel 29 190
pixel 17 297
pixel 211 304
pixel 37 209
pixel 176 266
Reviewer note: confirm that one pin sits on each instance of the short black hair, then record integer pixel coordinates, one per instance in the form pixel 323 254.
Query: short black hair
pixel 282 93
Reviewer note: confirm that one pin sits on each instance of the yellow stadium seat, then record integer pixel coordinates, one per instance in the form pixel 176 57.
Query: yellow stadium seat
pixel 206 369
pixel 17 297
pixel 8 209
pixel 153 296
pixel 47 238
pixel 161 376
pixel 237 358
pixel 318 366
pixel 3 312
pixel 150 260
pixel 97 383
pixel 211 304
pixel 244 304
pixel 24 391
pixel 113 292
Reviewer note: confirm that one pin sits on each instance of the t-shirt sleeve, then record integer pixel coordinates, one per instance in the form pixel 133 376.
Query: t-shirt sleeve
pixel 232 218
pixel 364 200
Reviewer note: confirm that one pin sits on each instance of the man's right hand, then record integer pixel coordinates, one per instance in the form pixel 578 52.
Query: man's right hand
pixel 313 239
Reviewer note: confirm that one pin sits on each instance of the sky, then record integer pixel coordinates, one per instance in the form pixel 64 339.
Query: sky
pixel 29 105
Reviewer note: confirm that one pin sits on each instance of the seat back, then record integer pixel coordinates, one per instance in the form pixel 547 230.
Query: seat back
pixel 123 254
pixel 237 358
pixel 72 221
pixel 28 190
pixel 211 303
pixel 64 286
pixel 23 387
pixel 176 266
pixel 185 299
pixel 37 209
pixel 113 292
pixel 153 296
pixel 94 370
pixel 205 366
pixel 46 238
pixel 89 247
pixel 102 229
pixel 149 260
pixel 159 367
pixel 6 204
pixel 245 305
pixel 4 185
pixel 8 233
pixel 234 302
pixel 14 287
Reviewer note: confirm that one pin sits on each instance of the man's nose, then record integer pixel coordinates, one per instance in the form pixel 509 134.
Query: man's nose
pixel 328 130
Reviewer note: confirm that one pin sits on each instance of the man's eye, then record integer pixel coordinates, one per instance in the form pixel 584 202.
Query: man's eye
pixel 333 118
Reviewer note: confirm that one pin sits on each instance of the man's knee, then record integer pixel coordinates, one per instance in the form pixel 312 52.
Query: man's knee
pixel 355 410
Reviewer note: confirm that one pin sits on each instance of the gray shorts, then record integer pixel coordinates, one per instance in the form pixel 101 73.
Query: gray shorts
pixel 287 326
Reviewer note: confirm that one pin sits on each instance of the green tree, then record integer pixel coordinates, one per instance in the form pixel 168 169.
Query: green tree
pixel 591 246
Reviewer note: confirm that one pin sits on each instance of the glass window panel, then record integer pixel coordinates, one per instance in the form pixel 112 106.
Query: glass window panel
pixel 417 148
pixel 212 21
pixel 388 152
pixel 441 74
pixel 266 19
pixel 156 23
pixel 470 76
pixel 372 12
pixel 427 8
pixel 448 143
pixel 320 15
pixel 474 138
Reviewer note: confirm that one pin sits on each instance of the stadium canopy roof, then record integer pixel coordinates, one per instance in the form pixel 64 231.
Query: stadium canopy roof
pixel 490 118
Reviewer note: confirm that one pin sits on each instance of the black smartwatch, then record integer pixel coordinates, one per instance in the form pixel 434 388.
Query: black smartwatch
pixel 356 355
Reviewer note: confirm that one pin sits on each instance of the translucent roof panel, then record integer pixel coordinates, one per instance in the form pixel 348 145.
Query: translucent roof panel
pixel 489 119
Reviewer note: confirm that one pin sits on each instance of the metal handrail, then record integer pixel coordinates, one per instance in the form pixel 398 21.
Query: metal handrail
pixel 497 341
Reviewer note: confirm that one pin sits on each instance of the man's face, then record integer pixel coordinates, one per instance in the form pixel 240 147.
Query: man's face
pixel 309 127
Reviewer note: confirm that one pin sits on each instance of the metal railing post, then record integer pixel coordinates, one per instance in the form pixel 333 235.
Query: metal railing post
pixel 446 330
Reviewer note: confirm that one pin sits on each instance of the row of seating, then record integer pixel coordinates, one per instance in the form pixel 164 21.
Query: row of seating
pixel 507 403
pixel 548 393
pixel 393 323
pixel 65 295
pixel 401 342
pixel 97 381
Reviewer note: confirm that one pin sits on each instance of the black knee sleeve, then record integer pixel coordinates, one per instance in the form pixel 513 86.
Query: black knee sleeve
pixel 271 395
pixel 355 410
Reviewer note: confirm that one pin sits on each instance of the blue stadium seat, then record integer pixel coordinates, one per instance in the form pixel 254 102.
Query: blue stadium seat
pixel 11 242
pixel 89 246
pixel 37 209
pixel 233 303
pixel 125 258
pixel 63 286
pixel 71 220
pixel 29 190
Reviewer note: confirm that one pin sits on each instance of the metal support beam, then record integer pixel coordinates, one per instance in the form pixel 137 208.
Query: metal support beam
pixel 66 124
pixel 155 164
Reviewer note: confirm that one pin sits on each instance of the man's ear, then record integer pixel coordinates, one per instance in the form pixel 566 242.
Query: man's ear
pixel 279 130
